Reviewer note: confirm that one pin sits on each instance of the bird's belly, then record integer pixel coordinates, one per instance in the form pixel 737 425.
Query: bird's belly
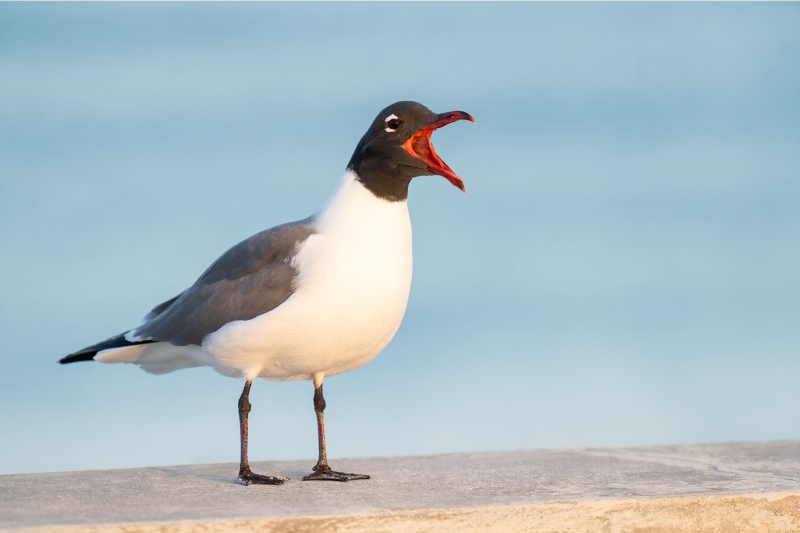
pixel 348 304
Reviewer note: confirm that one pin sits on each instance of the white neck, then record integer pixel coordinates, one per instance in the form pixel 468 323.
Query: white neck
pixel 352 204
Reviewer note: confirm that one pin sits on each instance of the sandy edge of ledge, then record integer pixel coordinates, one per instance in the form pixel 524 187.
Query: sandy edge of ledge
pixel 762 512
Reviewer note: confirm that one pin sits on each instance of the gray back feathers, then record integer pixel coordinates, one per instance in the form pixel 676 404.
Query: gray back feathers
pixel 248 280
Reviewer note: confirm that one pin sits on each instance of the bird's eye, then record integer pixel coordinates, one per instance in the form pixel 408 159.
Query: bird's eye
pixel 392 123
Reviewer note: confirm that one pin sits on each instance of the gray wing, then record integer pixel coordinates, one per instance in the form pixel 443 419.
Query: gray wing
pixel 248 280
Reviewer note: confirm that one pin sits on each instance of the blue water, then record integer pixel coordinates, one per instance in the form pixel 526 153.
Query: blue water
pixel 623 269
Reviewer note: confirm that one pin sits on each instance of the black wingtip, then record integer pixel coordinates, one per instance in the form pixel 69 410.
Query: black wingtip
pixel 77 357
pixel 87 354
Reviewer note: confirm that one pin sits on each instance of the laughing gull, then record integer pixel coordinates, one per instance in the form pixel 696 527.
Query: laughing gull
pixel 307 299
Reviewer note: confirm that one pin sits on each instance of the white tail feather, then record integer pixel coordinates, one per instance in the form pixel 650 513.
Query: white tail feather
pixel 159 357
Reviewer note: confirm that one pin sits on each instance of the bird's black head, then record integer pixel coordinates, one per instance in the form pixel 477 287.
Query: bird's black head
pixel 397 147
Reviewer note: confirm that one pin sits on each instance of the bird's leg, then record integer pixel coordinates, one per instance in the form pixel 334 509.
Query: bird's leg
pixel 246 476
pixel 323 472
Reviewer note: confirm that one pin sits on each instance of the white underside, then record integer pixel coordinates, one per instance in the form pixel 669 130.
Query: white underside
pixel 349 300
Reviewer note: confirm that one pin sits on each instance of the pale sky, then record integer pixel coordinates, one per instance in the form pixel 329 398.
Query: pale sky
pixel 623 269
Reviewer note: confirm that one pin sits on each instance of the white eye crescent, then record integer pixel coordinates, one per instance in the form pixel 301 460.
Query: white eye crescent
pixel 392 123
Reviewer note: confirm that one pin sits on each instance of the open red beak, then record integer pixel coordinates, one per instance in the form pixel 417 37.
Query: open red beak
pixel 419 145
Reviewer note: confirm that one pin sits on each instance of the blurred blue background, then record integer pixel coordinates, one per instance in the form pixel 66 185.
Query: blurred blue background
pixel 623 269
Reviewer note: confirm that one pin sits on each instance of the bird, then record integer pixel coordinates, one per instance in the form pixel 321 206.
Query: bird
pixel 308 299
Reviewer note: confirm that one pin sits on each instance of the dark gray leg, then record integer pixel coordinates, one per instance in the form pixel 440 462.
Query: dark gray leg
pixel 246 476
pixel 323 472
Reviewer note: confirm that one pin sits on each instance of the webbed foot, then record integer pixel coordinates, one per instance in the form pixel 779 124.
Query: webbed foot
pixel 326 474
pixel 246 477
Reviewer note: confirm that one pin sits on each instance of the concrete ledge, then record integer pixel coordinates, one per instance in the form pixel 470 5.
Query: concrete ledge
pixel 770 512
pixel 732 487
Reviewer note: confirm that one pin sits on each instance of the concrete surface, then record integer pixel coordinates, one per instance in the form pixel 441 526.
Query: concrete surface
pixel 620 488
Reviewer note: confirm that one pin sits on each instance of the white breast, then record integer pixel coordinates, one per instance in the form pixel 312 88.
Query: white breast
pixel 349 300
